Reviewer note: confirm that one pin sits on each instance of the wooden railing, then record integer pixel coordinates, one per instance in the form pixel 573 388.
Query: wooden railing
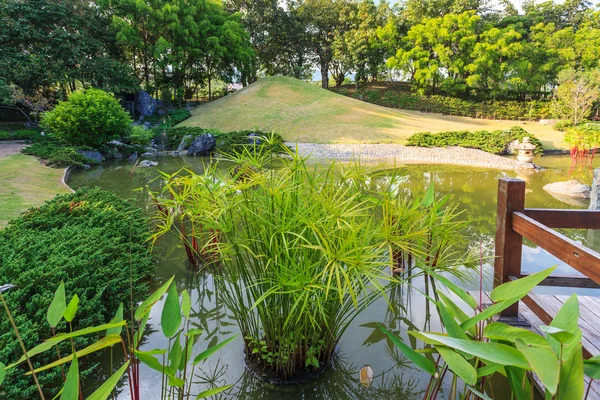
pixel 515 222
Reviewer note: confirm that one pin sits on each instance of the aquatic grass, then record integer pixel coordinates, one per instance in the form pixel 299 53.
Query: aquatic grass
pixel 300 250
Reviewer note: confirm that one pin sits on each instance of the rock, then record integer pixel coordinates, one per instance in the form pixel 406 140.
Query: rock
pixel 133 156
pixel 118 156
pixel 253 138
pixel 148 154
pixel 92 155
pixel 512 147
pixel 147 125
pixel 570 188
pixel 87 166
pixel 202 145
pixel 144 103
pixel 161 113
pixel 185 142
pixel 116 143
pixel 547 121
pixel 147 164
pixel 595 194
pixel 141 119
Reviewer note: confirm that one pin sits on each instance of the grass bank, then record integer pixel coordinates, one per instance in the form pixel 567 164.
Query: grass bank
pixel 306 113
pixel 26 183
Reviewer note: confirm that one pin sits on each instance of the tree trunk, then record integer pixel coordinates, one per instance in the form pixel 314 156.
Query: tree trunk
pixel 324 75
pixel 209 89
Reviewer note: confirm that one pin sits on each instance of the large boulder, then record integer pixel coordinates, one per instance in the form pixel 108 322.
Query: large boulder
pixel 571 189
pixel 186 141
pixel 144 103
pixel 92 155
pixel 595 193
pixel 202 145
pixel 147 164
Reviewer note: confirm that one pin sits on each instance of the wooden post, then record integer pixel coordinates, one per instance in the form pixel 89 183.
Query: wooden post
pixel 511 198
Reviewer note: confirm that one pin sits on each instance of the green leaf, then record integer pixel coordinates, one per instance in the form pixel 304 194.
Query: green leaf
pixel 507 333
pixel 482 396
pixel 460 292
pixel 153 363
pixel 418 359
pixel 212 392
pixel 193 332
pixel 71 386
pixel 117 318
pixel 99 345
pixel 494 352
pixel 454 330
pixel 567 319
pixel 591 367
pixel 458 365
pixel 186 304
pixel 105 390
pixel 58 306
pixel 71 309
pixel 174 381
pixel 53 341
pixel 519 383
pixel 520 287
pixel 456 312
pixel 429 196
pixel 176 354
pixel 571 384
pixel 139 334
pixel 147 304
pixel 557 333
pixel 490 369
pixel 170 320
pixel 2 372
pixel 489 312
pixel 211 350
pixel 544 363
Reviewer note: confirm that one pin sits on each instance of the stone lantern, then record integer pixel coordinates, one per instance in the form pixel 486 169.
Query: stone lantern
pixel 525 151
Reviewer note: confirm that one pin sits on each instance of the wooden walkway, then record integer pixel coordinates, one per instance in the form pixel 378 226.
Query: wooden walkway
pixel 514 222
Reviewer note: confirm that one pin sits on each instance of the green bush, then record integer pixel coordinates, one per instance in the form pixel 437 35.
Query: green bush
pixel 495 142
pixel 56 154
pixel 89 240
pixel 21 134
pixel 140 136
pixel 89 117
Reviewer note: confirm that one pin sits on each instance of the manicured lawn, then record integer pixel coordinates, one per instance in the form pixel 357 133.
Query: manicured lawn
pixel 306 113
pixel 26 183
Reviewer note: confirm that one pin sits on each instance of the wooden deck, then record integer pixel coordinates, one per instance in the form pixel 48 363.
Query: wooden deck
pixel 589 322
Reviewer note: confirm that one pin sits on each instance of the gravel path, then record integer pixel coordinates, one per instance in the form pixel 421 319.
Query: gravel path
pixel 8 148
pixel 405 154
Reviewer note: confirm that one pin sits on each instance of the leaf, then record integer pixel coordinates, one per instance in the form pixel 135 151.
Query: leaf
pixel 591 367
pixel 567 319
pixel 58 306
pixel 419 360
pixel 490 369
pixel 170 320
pixel 520 287
pixel 117 318
pixel 501 331
pixel 571 384
pixel 99 345
pixel 456 312
pixel 71 309
pixel 460 292
pixel 152 362
pixel 194 332
pixel 458 365
pixel 174 381
pixel 139 334
pixel 454 330
pixel 186 304
pixel 557 333
pixel 175 354
pixel 429 196
pixel 147 304
pixel 544 363
pixel 489 312
pixel 495 352
pixel 71 386
pixel 482 396
pixel 519 383
pixel 53 341
pixel 2 372
pixel 211 350
pixel 212 392
pixel 105 390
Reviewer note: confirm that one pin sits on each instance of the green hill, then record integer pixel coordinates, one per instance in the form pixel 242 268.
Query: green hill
pixel 306 113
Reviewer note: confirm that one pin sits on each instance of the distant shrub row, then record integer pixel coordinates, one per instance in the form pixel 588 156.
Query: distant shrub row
pixel 495 142
pixel 21 134
pixel 506 109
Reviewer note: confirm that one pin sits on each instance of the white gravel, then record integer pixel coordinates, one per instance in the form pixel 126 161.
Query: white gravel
pixel 405 154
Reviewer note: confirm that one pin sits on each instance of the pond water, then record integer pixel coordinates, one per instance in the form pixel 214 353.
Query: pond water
pixel 474 190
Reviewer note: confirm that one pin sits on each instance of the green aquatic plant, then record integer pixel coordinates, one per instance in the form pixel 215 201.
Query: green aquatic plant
pixel 474 349
pixel 300 250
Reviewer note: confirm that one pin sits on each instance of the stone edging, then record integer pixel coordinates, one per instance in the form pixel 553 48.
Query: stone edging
pixel 66 176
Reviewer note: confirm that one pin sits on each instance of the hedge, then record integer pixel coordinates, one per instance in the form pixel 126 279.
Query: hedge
pixel 20 134
pixel 506 109
pixel 495 142
pixel 88 239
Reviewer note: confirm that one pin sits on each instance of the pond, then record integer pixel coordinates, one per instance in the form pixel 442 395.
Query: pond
pixel 474 191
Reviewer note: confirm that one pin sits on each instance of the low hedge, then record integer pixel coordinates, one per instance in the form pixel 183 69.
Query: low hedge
pixel 506 109
pixel 88 239
pixel 20 134
pixel 495 142
pixel 56 154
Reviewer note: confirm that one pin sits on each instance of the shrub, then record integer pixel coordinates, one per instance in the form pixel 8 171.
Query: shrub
pixel 21 134
pixel 89 117
pixel 562 125
pixel 495 142
pixel 140 136
pixel 56 154
pixel 88 239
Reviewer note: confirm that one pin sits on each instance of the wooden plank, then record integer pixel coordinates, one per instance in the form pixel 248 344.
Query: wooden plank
pixel 509 244
pixel 577 256
pixel 569 219
pixel 589 316
pixel 567 281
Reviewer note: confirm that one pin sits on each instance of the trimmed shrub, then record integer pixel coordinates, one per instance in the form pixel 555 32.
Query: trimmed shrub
pixel 55 154
pixel 140 136
pixel 495 142
pixel 89 240
pixel 90 117
pixel 21 134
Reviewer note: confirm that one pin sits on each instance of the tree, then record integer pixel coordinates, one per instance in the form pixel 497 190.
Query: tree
pixel 13 97
pixel 576 94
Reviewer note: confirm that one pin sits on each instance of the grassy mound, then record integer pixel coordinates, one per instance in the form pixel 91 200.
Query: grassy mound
pixel 306 113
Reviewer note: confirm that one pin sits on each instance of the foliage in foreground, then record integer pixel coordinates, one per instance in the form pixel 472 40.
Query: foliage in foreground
pixel 583 138
pixel 495 142
pixel 175 314
pixel 87 239
pixel 474 349
pixel 90 117
pixel 303 250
